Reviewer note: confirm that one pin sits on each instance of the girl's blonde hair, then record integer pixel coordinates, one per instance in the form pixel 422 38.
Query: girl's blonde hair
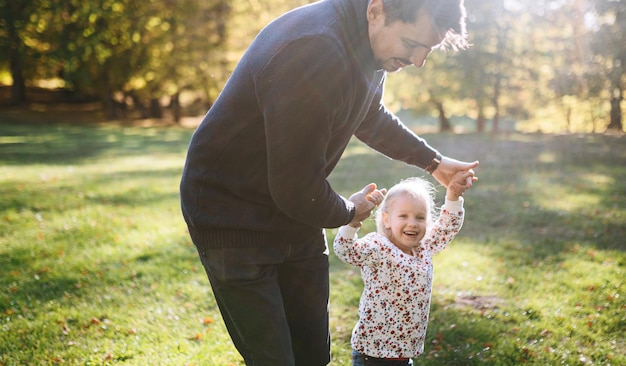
pixel 416 187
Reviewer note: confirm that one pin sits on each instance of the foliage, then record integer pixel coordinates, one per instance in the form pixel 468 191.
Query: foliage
pixel 143 49
pixel 98 269
pixel 529 59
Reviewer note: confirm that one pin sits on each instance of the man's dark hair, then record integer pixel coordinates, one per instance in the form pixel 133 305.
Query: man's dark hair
pixel 447 17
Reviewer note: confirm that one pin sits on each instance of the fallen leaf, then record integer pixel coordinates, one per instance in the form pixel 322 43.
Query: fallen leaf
pixel 58 359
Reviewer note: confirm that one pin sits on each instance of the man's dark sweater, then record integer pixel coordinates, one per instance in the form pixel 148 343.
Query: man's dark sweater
pixel 257 166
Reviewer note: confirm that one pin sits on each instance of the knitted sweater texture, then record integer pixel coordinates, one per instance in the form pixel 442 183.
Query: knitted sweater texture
pixel 257 166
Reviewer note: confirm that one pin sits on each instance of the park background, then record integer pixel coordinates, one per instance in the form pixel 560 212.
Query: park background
pixel 98 100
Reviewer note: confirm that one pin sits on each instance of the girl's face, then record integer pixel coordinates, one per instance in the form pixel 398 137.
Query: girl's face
pixel 407 219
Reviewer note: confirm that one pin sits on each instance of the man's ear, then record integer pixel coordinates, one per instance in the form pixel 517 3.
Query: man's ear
pixel 375 11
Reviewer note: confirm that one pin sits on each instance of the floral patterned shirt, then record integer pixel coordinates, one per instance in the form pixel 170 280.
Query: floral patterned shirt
pixel 395 303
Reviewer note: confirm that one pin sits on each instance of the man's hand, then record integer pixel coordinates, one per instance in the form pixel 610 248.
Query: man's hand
pixel 461 181
pixel 364 201
pixel 449 167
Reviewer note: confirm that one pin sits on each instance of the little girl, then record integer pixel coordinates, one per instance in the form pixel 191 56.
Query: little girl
pixel 397 269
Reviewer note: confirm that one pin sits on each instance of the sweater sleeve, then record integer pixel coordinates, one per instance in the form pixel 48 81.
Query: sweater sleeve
pixel 297 98
pixel 385 133
pixel 357 252
pixel 447 226
pixel 346 236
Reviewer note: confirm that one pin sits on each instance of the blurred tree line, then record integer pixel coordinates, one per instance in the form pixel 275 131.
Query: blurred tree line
pixel 529 59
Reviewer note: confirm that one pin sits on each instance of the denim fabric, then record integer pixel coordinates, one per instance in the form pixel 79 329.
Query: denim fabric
pixel 359 359
pixel 274 301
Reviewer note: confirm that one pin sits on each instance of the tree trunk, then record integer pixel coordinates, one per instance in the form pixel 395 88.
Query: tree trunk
pixel 444 122
pixel 496 123
pixel 616 114
pixel 112 109
pixel 18 88
pixel 106 99
pixel 175 105
pixel 155 108
pixel 138 104
pixel 496 104
pixel 480 120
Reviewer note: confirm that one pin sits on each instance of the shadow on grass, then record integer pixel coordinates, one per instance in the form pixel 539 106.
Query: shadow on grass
pixel 54 144
pixel 546 194
pixel 23 195
pixel 513 197
pixel 35 275
pixel 87 208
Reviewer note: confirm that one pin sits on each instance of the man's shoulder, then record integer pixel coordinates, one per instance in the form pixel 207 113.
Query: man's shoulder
pixel 313 25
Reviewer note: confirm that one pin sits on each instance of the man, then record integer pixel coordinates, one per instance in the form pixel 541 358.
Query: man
pixel 254 191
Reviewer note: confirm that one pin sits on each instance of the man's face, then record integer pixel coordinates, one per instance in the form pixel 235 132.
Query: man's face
pixel 400 44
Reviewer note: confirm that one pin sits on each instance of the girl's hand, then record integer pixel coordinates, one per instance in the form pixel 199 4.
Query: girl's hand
pixel 376 197
pixel 461 181
pixel 364 201
pixel 447 169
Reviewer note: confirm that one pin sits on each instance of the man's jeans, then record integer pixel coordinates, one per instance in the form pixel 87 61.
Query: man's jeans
pixel 274 301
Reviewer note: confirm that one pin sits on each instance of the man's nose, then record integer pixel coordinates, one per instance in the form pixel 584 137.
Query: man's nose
pixel 418 61
pixel 418 58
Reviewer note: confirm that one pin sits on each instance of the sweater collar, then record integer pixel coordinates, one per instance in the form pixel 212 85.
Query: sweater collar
pixel 354 19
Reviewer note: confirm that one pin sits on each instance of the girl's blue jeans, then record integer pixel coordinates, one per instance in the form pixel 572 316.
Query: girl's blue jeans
pixel 359 359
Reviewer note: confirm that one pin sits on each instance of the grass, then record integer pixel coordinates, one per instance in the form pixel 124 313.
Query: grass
pixel 96 267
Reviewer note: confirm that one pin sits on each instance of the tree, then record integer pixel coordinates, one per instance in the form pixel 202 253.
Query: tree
pixel 608 43
pixel 479 63
pixel 14 24
pixel 586 40
pixel 484 78
pixel 432 89
pixel 93 47
pixel 529 58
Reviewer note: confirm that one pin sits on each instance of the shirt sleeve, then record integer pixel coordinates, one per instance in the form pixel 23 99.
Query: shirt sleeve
pixel 352 250
pixel 446 227
pixel 298 100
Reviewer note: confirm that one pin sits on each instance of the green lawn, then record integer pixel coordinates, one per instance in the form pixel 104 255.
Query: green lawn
pixel 96 267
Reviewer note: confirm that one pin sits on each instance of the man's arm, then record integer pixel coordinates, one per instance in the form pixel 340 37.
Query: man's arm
pixel 385 133
pixel 295 97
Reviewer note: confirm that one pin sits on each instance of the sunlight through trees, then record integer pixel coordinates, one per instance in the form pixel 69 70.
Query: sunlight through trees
pixel 531 60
